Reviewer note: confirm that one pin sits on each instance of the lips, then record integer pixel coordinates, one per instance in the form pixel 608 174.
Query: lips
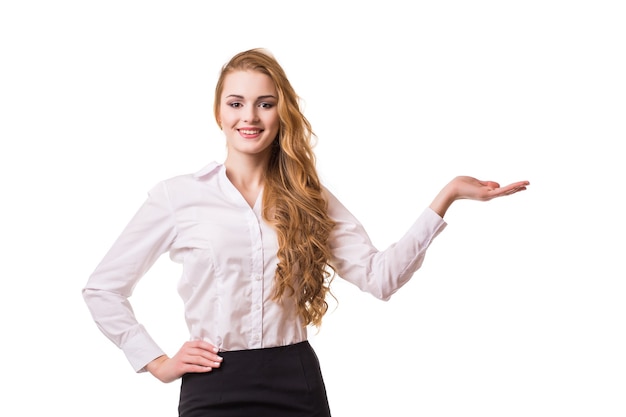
pixel 249 132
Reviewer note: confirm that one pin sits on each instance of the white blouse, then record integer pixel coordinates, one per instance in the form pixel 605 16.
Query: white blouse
pixel 228 257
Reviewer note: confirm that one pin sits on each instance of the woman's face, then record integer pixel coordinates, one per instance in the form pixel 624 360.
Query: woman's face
pixel 248 113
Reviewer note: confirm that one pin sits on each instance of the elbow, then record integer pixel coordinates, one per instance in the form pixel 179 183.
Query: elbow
pixel 84 293
pixel 383 293
pixel 87 294
pixel 385 288
pixel 386 296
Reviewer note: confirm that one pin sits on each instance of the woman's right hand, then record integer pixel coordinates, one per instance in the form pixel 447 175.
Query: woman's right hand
pixel 195 356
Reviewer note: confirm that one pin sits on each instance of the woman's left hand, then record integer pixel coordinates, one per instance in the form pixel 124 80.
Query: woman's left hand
pixel 473 189
pixel 464 187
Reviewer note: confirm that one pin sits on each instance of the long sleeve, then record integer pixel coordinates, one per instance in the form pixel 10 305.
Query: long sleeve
pixel 148 235
pixel 380 273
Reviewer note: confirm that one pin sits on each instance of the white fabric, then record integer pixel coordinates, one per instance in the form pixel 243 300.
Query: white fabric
pixel 228 257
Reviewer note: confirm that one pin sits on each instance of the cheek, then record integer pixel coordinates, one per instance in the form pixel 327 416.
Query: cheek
pixel 273 121
pixel 225 117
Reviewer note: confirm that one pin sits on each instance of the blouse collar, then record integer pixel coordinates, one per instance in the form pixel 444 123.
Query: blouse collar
pixel 208 169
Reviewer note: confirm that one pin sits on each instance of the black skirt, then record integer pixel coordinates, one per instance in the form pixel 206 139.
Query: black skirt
pixel 283 381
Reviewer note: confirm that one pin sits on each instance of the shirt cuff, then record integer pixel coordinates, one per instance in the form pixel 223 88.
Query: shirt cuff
pixel 140 349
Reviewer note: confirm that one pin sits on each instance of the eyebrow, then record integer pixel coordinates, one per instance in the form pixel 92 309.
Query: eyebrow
pixel 258 98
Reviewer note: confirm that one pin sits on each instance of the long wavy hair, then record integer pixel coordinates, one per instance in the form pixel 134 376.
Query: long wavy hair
pixel 292 197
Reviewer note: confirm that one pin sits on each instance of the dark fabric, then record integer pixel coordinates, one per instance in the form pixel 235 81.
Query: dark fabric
pixel 275 382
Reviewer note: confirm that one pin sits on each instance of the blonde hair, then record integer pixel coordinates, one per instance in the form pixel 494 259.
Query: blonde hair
pixel 292 198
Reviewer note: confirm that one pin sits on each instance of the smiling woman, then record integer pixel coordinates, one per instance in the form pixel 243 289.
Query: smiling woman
pixel 248 115
pixel 260 239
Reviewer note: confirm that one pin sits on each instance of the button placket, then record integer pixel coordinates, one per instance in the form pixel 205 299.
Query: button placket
pixel 256 283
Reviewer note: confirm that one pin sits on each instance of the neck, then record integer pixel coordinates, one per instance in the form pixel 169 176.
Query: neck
pixel 247 175
pixel 245 170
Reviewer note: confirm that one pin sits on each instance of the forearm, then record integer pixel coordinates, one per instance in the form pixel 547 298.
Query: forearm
pixel 444 199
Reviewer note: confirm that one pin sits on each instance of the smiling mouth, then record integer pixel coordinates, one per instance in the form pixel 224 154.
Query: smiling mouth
pixel 249 131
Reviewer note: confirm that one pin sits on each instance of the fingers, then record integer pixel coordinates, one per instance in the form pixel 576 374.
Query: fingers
pixel 193 357
pixel 516 186
pixel 201 353
pixel 509 189
pixel 201 344
pixel 519 184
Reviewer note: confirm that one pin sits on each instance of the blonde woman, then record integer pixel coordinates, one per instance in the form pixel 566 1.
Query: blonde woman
pixel 260 240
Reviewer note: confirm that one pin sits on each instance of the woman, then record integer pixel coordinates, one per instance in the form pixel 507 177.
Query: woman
pixel 260 240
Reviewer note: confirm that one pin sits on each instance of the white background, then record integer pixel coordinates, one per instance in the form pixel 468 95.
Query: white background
pixel 519 309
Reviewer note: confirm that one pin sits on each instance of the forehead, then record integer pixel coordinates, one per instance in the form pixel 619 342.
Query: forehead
pixel 248 84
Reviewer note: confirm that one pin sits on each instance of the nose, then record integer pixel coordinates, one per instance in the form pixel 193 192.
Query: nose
pixel 250 114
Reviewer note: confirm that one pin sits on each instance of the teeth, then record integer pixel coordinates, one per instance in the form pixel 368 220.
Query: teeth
pixel 249 132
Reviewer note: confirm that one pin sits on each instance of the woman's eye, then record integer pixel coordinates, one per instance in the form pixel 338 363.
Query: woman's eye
pixel 235 105
pixel 266 105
